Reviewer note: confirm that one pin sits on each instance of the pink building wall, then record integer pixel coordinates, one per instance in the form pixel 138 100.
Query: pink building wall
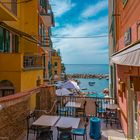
pixel 128 18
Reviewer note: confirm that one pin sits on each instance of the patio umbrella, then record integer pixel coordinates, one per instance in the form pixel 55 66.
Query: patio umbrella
pixel 59 84
pixel 71 85
pixel 62 92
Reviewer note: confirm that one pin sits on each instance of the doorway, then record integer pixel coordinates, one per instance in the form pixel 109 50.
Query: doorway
pixel 132 102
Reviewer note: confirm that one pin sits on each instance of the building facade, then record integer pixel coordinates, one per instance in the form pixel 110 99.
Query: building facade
pixel 56 66
pixel 124 41
pixel 24 30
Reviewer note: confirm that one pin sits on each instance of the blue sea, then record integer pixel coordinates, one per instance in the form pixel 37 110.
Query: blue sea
pixel 99 85
pixel 87 68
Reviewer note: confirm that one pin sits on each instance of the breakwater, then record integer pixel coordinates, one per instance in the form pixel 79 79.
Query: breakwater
pixel 86 76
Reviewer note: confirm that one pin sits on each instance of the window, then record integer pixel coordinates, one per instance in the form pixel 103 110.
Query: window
pixel 43 3
pixel 15 43
pixel 55 72
pixel 124 2
pixel 1 40
pixel 6 41
pixel 55 64
pixel 138 30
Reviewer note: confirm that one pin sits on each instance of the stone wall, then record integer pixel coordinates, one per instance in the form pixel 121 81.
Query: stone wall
pixel 15 108
pixel 13 120
pixel 47 97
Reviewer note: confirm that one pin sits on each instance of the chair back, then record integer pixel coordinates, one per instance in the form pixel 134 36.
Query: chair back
pixel 64 133
pixel 30 119
pixel 85 104
pixel 96 104
pixel 86 122
pixel 64 129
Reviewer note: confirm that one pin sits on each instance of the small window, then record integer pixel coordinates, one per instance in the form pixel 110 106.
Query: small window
pixel 55 72
pixel 55 63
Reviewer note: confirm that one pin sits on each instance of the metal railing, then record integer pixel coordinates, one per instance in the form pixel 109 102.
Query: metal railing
pixel 33 61
pixel 90 108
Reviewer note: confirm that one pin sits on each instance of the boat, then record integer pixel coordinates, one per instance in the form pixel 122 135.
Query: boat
pixel 91 83
pixel 107 78
pixel 84 89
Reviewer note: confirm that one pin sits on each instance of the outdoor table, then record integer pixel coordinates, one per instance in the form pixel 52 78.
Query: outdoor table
pixel 68 122
pixel 46 120
pixel 112 106
pixel 73 104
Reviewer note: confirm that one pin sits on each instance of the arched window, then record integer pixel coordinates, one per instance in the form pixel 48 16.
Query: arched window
pixel 6 88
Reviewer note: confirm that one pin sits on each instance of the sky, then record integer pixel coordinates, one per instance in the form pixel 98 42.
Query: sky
pixel 81 18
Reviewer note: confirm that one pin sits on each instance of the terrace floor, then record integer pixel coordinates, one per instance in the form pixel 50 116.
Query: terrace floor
pixel 109 131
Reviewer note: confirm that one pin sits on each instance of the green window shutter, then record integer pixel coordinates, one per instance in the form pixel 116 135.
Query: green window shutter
pixel 1 40
pixel 7 41
pixel 40 2
pixel 43 3
pixel 16 43
pixel 124 2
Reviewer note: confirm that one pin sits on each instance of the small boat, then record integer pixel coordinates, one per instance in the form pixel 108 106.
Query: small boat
pixel 107 78
pixel 84 89
pixel 91 83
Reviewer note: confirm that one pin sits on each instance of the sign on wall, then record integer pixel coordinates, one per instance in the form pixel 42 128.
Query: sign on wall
pixel 127 37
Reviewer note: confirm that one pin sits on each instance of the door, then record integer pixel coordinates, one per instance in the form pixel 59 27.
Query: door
pixel 132 103
pixel 135 114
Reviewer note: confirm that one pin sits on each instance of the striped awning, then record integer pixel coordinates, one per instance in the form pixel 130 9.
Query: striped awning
pixel 129 57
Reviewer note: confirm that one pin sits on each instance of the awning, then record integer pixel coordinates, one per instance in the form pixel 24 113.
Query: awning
pixel 20 33
pixel 129 57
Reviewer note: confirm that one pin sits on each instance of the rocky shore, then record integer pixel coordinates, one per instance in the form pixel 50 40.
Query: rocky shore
pixel 86 76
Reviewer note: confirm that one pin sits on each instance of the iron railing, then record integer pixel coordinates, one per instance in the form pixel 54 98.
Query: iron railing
pixel 90 108
pixel 33 61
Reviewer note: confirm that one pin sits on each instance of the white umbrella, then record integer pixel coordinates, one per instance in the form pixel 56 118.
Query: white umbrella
pixel 59 84
pixel 62 92
pixel 71 85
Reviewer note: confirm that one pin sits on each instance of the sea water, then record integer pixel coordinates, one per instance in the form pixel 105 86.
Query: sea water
pixel 99 85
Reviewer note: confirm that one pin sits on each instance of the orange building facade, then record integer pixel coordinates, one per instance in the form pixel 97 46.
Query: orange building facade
pixel 124 41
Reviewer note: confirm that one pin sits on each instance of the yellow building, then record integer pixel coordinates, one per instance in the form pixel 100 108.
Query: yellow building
pixel 56 66
pixel 20 62
pixel 21 65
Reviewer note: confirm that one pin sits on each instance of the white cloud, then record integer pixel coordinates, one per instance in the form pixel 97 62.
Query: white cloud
pixel 95 9
pixel 62 6
pixel 93 50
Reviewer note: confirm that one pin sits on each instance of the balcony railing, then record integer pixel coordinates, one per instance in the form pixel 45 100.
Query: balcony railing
pixel 90 108
pixel 46 13
pixel 33 61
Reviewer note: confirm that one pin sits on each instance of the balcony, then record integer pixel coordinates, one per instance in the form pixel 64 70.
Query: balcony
pixel 47 15
pixel 19 62
pixel 33 62
pixel 8 10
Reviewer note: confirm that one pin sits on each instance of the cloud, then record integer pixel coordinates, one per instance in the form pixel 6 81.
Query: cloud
pixel 95 9
pixel 62 6
pixel 91 50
